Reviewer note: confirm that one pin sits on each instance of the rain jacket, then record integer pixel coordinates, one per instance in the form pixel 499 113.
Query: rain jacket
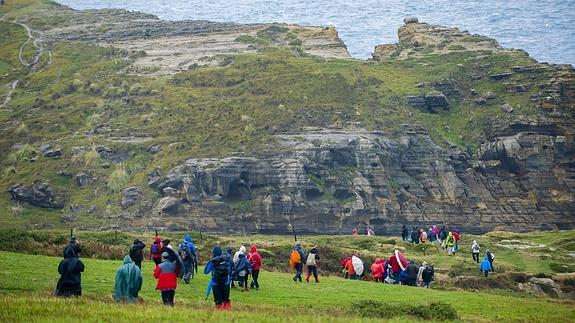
pixel 242 266
pixel 158 254
pixel 485 264
pixel 475 247
pixel 412 270
pixel 188 259
pixel 70 269
pixel 237 254
pixel 128 281
pixel 450 241
pixel 377 269
pixel 137 251
pixel 349 267
pixel 167 275
pixel 255 258
pixel 217 255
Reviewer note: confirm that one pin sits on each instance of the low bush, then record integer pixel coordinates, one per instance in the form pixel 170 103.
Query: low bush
pixel 434 311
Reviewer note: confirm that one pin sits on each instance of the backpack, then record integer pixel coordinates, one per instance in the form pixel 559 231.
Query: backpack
pixel 155 248
pixel 185 252
pixel 221 270
pixel 429 272
pixel 295 257
pixel 311 260
pixel 475 248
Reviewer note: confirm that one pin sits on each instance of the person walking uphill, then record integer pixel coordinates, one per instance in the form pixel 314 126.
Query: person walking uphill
pixel 475 251
pixel 485 266
pixel 128 282
pixel 491 258
pixel 312 262
pixel 377 270
pixel 137 252
pixel 450 243
pixel 156 250
pixel 296 260
pixel 220 267
pixel 255 262
pixel 187 251
pixel 412 272
pixel 70 269
pixel 167 275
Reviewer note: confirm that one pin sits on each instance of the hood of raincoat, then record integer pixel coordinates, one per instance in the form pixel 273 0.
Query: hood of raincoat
pixel 243 249
pixel 158 240
pixel 450 234
pixel 187 238
pixel 127 260
pixel 377 260
pixel 217 251
pixel 70 253
pixel 253 249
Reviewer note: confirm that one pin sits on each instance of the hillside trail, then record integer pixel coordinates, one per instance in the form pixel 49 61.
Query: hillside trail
pixel 37 39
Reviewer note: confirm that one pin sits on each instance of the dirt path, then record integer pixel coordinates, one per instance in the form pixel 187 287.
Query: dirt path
pixel 8 97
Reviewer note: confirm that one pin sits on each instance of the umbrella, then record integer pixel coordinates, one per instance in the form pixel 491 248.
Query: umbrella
pixel 357 265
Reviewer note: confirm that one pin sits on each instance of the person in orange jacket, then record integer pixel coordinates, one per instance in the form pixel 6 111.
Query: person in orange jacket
pixel 350 269
pixel 377 270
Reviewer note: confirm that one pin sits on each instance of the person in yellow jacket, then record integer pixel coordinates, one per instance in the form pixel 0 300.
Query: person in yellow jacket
pixel 450 243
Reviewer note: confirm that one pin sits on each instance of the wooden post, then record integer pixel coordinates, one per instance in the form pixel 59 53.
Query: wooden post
pixel 156 232
pixel 294 234
pixel 71 232
pixel 116 236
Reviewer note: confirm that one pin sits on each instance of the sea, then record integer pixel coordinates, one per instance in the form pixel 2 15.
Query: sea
pixel 543 28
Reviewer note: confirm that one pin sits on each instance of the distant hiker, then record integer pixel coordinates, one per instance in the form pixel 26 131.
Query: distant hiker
pixel 442 236
pixel 485 266
pixel 187 251
pixel 354 232
pixel 370 232
pixel 435 230
pixel 491 258
pixel 475 251
pixel 349 269
pixel 415 235
pixel 450 244
pixel 398 264
pixel 137 252
pixel 297 258
pixel 70 269
pixel 312 262
pixel 241 271
pixel 457 237
pixel 128 282
pixel 431 236
pixel 404 233
pixel 220 267
pixel 156 250
pixel 412 272
pixel 167 275
pixel 377 270
pixel 72 246
pixel 427 276
pixel 422 236
pixel 255 262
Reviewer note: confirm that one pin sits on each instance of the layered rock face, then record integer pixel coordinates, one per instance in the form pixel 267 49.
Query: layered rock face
pixel 334 180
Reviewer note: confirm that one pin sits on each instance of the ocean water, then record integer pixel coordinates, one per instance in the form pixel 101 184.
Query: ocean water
pixel 543 28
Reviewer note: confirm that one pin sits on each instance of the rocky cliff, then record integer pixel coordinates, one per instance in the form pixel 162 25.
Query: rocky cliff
pixel 134 122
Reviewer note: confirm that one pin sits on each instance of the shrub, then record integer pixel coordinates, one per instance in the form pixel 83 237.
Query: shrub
pixel 118 179
pixel 91 158
pixel 433 311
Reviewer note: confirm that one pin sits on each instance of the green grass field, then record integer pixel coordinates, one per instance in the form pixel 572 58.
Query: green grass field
pixel 27 283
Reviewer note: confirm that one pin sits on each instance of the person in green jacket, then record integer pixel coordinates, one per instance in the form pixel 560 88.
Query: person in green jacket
pixel 128 281
pixel 450 243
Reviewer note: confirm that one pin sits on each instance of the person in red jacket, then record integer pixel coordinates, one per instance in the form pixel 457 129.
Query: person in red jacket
pixel 377 270
pixel 457 239
pixel 156 250
pixel 256 262
pixel 167 275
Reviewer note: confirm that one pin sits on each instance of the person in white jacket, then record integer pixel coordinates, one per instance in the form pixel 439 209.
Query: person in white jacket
pixel 475 251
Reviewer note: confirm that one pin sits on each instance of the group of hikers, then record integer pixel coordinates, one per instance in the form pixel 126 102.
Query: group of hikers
pixel 228 268
pixel 171 264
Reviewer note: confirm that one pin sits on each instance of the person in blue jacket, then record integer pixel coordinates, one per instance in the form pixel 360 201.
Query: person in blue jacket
pixel 188 253
pixel 241 271
pixel 485 265
pixel 221 269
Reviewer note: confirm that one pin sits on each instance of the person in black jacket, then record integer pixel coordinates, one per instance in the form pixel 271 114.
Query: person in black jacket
pixel 412 271
pixel 70 269
pixel 72 246
pixel 404 233
pixel 137 252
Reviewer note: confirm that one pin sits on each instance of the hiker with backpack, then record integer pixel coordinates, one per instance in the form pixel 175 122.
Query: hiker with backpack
pixel 167 273
pixel 235 260
pixel 377 270
pixel 311 263
pixel 241 271
pixel 156 250
pixel 485 266
pixel 221 268
pixel 450 244
pixel 442 236
pixel 475 251
pixel 427 275
pixel 70 269
pixel 457 238
pixel 296 260
pixel 404 233
pixel 412 272
pixel 491 258
pixel 128 282
pixel 415 235
pixel 187 251
pixel 137 252
pixel 255 262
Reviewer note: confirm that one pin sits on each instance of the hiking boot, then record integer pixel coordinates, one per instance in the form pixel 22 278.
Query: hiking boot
pixel 227 305
pixel 294 279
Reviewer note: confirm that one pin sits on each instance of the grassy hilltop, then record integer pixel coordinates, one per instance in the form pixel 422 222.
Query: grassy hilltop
pixel 89 95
